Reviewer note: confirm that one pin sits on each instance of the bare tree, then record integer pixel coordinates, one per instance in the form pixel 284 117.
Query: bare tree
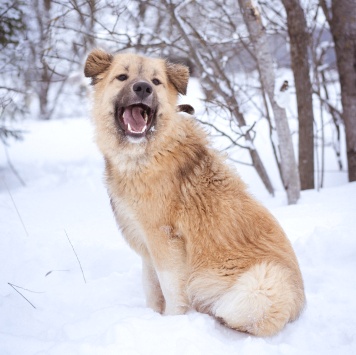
pixel 12 93
pixel 342 20
pixel 264 59
pixel 325 85
pixel 299 45
pixel 40 72
pixel 218 85
pixel 58 37
pixel 234 69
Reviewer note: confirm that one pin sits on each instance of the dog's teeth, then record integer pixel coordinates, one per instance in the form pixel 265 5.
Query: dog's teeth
pixel 145 116
pixel 131 130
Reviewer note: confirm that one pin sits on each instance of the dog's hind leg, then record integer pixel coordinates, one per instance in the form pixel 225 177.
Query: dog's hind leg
pixel 262 301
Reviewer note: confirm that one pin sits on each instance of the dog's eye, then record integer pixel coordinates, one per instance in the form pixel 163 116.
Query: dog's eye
pixel 156 81
pixel 122 77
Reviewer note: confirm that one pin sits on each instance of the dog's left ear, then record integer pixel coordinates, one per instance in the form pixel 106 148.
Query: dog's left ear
pixel 178 75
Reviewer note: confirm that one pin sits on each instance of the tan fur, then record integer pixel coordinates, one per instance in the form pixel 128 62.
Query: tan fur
pixel 204 241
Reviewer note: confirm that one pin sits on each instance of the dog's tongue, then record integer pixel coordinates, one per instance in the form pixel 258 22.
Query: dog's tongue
pixel 133 116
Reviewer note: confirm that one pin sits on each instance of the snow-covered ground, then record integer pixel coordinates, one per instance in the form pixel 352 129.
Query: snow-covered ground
pixel 101 309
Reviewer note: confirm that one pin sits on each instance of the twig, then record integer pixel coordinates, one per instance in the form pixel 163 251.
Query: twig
pixel 13 201
pixel 13 168
pixel 239 162
pixel 12 89
pixel 234 142
pixel 26 289
pixel 14 287
pixel 50 272
pixel 76 256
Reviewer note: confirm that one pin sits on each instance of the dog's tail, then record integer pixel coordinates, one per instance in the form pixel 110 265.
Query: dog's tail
pixel 262 301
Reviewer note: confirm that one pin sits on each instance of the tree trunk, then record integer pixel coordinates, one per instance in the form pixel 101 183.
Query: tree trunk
pixel 264 59
pixel 343 28
pixel 299 39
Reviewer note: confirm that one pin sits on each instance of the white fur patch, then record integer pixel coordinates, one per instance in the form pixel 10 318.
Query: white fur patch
pixel 173 293
pixel 137 140
pixel 261 298
pixel 132 230
pixel 151 286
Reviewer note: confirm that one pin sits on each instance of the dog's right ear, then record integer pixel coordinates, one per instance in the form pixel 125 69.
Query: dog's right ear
pixel 186 108
pixel 178 75
pixel 97 63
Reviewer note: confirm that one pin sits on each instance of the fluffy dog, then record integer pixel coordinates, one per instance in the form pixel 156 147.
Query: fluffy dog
pixel 205 242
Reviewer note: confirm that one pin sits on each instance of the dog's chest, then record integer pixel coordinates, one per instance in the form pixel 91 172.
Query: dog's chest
pixel 142 204
pixel 129 223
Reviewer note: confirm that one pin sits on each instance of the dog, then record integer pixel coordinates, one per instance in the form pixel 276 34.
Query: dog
pixel 205 242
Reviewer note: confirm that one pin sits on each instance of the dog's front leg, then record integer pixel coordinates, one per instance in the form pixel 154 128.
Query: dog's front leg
pixel 151 285
pixel 173 288
pixel 169 258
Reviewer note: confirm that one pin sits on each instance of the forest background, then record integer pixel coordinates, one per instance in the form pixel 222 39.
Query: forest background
pixel 288 65
pixel 274 84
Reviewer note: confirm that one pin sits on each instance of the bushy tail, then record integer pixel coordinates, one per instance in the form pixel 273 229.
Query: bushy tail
pixel 263 300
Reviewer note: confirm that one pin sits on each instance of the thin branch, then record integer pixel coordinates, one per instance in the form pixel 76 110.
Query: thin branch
pixel 13 201
pixel 14 287
pixel 234 142
pixel 13 168
pixel 50 272
pixel 26 289
pixel 76 256
pixel 240 162
pixel 326 10
pixel 12 89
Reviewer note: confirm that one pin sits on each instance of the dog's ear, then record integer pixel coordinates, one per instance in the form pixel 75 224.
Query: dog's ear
pixel 97 62
pixel 186 108
pixel 178 75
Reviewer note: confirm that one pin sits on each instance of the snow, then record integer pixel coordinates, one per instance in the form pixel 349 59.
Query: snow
pixel 65 195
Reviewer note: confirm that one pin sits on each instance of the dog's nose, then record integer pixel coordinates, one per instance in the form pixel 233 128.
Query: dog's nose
pixel 142 89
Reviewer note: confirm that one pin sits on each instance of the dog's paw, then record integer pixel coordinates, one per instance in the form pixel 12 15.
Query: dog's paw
pixel 173 310
pixel 157 304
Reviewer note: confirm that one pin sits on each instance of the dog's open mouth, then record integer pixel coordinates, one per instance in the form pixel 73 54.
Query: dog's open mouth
pixel 135 120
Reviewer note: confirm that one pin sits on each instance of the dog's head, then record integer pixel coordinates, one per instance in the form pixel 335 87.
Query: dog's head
pixel 134 96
